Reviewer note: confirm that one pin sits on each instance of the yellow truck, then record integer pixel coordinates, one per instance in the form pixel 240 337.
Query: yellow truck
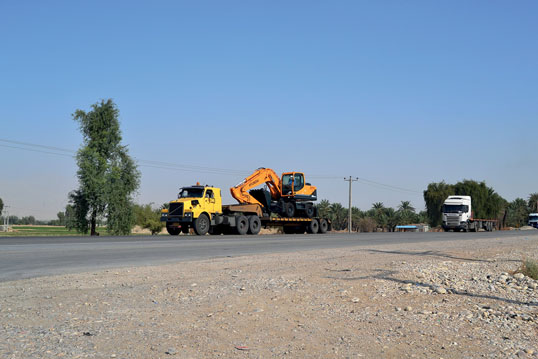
pixel 200 208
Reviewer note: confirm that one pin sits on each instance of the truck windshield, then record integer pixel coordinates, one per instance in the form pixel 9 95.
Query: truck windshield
pixel 454 208
pixel 533 217
pixel 190 192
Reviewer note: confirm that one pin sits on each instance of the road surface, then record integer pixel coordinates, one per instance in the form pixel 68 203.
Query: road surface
pixel 27 257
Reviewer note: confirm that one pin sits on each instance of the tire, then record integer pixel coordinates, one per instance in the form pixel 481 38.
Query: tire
pixel 313 227
pixel 254 224
pixel 241 225
pixel 202 225
pixel 173 231
pixel 323 226
pixel 309 210
pixel 289 209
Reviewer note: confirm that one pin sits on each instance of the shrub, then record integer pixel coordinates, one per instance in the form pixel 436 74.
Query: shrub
pixel 529 267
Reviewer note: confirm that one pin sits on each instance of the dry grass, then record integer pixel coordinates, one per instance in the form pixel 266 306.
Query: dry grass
pixel 529 267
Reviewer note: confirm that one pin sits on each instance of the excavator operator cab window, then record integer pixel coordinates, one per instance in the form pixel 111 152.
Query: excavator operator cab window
pixel 287 181
pixel 298 182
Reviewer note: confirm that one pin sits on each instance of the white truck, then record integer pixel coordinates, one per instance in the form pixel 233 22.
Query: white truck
pixel 533 220
pixel 458 216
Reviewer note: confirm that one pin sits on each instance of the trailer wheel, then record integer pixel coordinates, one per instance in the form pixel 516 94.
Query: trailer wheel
pixel 173 231
pixel 323 226
pixel 254 224
pixel 289 209
pixel 241 225
pixel 201 225
pixel 313 227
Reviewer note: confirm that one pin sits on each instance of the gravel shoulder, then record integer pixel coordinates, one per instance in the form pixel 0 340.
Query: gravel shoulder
pixel 428 300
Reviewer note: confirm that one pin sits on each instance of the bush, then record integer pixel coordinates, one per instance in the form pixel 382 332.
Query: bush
pixel 529 267
pixel 367 224
pixel 149 218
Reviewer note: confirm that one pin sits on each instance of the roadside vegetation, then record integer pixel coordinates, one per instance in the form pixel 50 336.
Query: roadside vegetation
pixel 529 267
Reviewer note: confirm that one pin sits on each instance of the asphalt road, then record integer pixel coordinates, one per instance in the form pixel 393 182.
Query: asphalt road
pixel 27 257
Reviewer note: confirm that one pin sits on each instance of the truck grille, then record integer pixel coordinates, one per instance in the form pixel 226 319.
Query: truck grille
pixel 453 220
pixel 176 209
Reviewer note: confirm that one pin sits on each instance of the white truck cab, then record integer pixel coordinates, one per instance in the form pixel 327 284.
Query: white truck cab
pixel 457 212
pixel 533 220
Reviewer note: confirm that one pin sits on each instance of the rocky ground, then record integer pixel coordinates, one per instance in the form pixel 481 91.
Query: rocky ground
pixel 461 299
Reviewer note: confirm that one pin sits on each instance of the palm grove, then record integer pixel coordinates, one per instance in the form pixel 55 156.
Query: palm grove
pixel 108 179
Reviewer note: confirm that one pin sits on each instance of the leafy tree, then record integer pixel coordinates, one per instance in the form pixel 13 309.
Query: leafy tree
pixel 61 218
pixel 1 206
pixel 533 203
pixel 379 215
pixel 107 175
pixel 367 224
pixel 434 196
pixel 517 213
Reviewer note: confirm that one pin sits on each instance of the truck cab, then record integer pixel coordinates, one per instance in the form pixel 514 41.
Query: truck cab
pixel 533 220
pixel 191 203
pixel 457 213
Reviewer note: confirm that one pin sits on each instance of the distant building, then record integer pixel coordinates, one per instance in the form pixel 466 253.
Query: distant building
pixel 412 228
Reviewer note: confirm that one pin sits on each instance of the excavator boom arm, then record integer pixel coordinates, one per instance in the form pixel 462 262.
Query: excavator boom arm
pixel 260 176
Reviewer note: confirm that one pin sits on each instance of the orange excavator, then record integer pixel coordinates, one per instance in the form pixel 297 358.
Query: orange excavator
pixel 288 195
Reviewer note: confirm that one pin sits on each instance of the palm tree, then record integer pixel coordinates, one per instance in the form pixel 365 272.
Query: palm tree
pixel 405 206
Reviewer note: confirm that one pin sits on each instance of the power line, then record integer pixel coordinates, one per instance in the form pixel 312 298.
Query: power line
pixel 190 168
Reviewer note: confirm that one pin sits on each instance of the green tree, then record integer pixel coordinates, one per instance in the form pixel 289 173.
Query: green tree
pixel 533 203
pixel 1 206
pixel 434 196
pixel 107 175
pixel 517 213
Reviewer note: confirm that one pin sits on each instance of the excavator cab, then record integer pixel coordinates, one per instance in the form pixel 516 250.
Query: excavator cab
pixel 294 186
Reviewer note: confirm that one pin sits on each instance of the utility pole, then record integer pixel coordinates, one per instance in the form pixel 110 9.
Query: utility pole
pixel 350 180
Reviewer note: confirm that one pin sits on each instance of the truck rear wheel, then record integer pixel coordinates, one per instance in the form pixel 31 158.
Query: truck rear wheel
pixel 241 225
pixel 201 225
pixel 173 231
pixel 254 224
pixel 323 226
pixel 313 226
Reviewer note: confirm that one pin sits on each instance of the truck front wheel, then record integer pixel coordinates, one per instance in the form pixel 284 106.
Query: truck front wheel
pixel 201 225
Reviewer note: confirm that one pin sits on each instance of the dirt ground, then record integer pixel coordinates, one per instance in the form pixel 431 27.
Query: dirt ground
pixel 429 300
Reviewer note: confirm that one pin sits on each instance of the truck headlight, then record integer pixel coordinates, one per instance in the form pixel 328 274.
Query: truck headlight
pixel 188 214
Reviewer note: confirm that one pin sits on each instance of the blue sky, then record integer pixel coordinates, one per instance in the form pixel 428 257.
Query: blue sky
pixel 401 93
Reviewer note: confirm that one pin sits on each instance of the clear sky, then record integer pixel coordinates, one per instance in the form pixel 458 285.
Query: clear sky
pixel 402 93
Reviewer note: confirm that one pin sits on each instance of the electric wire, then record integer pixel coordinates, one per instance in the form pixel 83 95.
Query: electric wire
pixel 192 168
